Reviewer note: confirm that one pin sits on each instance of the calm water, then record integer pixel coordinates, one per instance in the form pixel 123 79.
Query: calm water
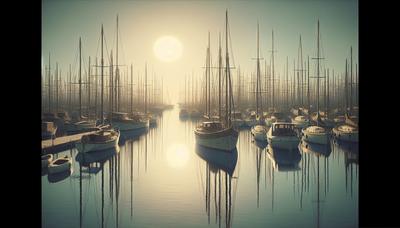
pixel 161 179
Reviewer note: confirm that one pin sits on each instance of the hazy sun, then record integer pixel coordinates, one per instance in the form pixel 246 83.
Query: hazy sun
pixel 177 155
pixel 168 48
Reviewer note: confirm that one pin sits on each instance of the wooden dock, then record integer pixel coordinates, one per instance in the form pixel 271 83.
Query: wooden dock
pixel 61 143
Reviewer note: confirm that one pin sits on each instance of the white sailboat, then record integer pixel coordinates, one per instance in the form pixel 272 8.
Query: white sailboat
pixel 316 134
pixel 259 131
pixel 348 131
pixel 215 134
pixel 106 137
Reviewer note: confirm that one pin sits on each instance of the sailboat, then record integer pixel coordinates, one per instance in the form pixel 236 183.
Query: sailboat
pixel 316 134
pixel 121 120
pixel 259 131
pixel 274 115
pixel 215 134
pixel 104 138
pixel 79 123
pixel 349 130
pixel 301 119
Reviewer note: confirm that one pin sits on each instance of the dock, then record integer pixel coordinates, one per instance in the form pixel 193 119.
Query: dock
pixel 61 143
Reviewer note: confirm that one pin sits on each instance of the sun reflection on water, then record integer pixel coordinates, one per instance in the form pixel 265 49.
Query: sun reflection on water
pixel 177 155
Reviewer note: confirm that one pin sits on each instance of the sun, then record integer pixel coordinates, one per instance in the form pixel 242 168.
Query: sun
pixel 177 156
pixel 168 48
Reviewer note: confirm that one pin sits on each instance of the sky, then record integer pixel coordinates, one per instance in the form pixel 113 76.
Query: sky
pixel 141 23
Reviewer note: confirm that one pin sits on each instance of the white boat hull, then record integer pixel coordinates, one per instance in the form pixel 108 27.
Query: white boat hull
pixel 221 143
pixel 345 136
pixel 318 138
pixel 287 142
pixel 89 147
pixel 60 168
pixel 259 135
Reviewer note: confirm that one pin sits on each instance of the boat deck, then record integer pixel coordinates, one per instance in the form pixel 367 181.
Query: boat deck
pixel 61 143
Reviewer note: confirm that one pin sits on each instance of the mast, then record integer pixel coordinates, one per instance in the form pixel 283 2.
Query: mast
pixel 351 79
pixel 111 95
pixel 287 82
pixel 226 70
pixel 56 79
pixel 308 85
pixel 95 91
pixel 131 88
pixel 258 73
pixel 273 73
pixel 208 78
pixel 327 95
pixel 145 88
pixel 89 89
pixel 318 73
pixel 219 78
pixel 346 90
pixel 70 89
pixel 49 82
pixel 102 77
pixel 80 78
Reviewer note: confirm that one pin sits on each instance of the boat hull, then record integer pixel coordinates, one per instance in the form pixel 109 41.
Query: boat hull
pixel 315 137
pixel 130 125
pixel 345 136
pixel 221 140
pixel 52 168
pixel 280 142
pixel 91 147
pixel 259 135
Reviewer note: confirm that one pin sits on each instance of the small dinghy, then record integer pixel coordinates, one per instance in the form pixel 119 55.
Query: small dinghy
pixel 46 160
pixel 60 165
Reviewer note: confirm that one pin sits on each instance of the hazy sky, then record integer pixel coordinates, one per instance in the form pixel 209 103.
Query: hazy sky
pixel 142 22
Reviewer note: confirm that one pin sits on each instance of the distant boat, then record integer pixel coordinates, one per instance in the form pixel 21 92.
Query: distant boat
pixel 259 132
pixel 49 130
pixel 301 121
pixel 60 165
pixel 46 160
pixel 237 119
pixel 183 113
pixel 282 135
pixel 121 121
pixel 276 117
pixel 318 149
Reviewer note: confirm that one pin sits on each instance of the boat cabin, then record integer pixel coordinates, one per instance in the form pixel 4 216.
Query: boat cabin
pixel 211 125
pixel 283 129
pixel 119 116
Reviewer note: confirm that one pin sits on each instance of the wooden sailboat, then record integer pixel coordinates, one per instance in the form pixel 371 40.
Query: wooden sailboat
pixel 348 131
pixel 259 131
pixel 122 120
pixel 215 134
pixel 79 123
pixel 107 137
pixel 318 133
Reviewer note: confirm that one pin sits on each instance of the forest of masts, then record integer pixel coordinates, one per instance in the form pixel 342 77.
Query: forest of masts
pixel 291 88
pixel 77 89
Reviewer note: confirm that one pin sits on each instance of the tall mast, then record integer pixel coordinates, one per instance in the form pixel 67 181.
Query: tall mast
pixel 287 82
pixel 49 82
pixel 273 73
pixel 258 73
pixel 301 73
pixel 226 69
pixel 318 72
pixel 219 78
pixel 351 79
pixel 308 84
pixel 145 88
pixel 89 88
pixel 56 79
pixel 327 95
pixel 117 74
pixel 95 91
pixel 102 77
pixel 346 90
pixel 131 88
pixel 70 89
pixel 80 79
pixel 208 78
pixel 111 95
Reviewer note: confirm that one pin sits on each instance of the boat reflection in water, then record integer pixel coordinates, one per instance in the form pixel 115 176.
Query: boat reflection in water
pixel 260 144
pixel 351 157
pixel 94 163
pixel 219 186
pixel 317 149
pixel 132 135
pixel 284 159
pixel 57 177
